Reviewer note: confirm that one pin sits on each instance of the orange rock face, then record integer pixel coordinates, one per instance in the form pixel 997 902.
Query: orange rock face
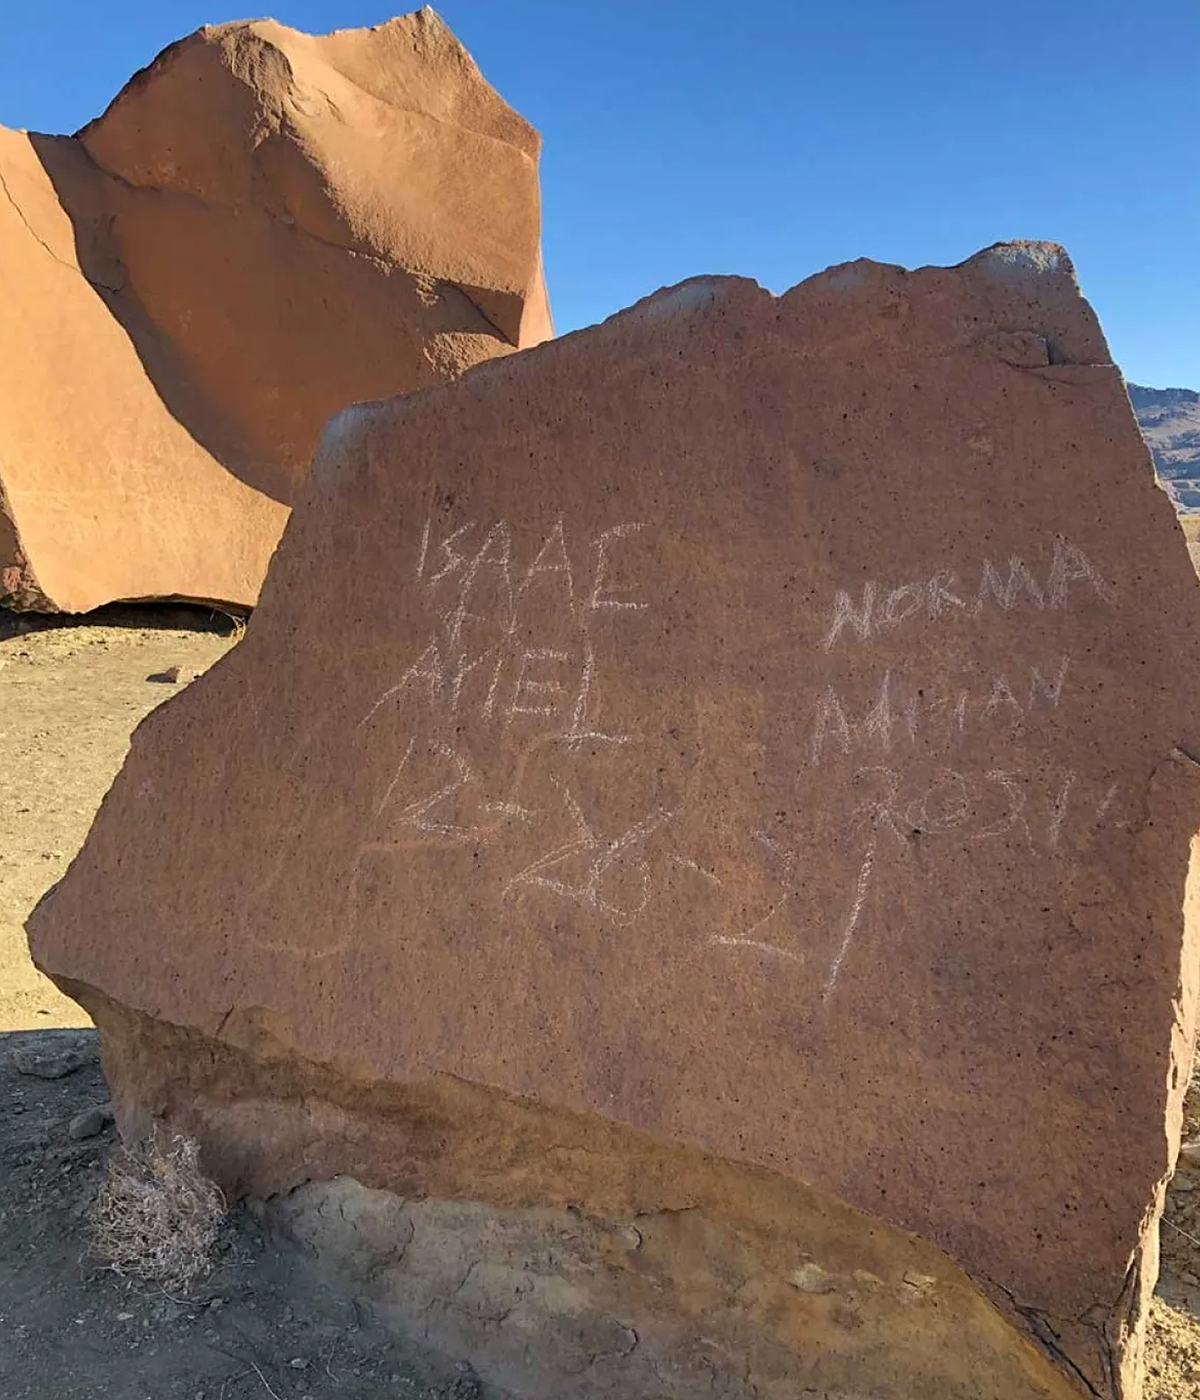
pixel 760 725
pixel 262 228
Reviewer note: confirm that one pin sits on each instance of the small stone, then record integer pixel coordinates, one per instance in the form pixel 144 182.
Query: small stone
pixel 1190 1152
pixel 298 1363
pixel 811 1278
pixel 90 1122
pixel 168 677
pixel 47 1065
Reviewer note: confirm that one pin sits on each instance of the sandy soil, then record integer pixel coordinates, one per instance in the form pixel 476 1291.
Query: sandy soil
pixel 70 696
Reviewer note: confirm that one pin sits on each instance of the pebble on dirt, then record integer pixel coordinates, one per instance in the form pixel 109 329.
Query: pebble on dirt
pixel 90 1123
pixel 48 1064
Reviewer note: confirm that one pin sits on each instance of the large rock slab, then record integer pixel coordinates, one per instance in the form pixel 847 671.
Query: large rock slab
pixel 263 227
pixel 754 728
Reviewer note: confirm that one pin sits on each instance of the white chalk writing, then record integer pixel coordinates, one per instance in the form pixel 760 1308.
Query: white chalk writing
pixel 477 662
pixel 521 636
pixel 577 869
pixel 943 595
pixel 905 711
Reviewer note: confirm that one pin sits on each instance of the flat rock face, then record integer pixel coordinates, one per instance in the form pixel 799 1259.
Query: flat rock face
pixel 263 227
pixel 764 724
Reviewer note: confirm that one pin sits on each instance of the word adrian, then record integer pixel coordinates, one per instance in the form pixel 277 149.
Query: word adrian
pixel 904 712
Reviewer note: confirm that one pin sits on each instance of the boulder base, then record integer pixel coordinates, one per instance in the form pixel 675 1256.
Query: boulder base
pixel 562 1255
pixel 263 227
pixel 756 728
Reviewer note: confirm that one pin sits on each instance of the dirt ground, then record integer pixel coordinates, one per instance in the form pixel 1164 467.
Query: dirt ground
pixel 70 696
pixel 262 1324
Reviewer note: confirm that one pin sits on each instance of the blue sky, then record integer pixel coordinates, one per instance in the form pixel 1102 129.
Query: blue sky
pixel 773 139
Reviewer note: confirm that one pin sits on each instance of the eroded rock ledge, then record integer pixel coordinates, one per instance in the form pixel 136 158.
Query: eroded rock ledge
pixel 562 1255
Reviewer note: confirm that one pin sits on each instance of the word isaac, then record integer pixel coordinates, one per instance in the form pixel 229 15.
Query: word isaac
pixel 479 590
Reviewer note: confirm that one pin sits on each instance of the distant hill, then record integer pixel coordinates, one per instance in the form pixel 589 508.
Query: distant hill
pixel 1170 420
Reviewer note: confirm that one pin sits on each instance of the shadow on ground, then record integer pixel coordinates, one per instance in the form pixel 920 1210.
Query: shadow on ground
pixel 173 616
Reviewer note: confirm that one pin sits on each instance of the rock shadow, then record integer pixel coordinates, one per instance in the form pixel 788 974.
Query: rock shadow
pixel 105 212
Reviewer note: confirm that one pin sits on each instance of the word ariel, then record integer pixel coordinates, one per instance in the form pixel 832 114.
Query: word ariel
pixel 901 711
pixel 513 641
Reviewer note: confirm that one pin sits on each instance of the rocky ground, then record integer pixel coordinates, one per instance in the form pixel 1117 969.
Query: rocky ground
pixel 1174 1360
pixel 261 1325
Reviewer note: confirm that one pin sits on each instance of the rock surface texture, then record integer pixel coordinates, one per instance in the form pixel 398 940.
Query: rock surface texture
pixel 263 227
pixel 723 780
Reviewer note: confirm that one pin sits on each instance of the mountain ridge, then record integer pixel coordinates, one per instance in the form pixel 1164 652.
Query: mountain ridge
pixel 1170 422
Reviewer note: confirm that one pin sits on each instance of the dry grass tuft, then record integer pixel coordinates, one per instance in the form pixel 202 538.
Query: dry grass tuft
pixel 157 1216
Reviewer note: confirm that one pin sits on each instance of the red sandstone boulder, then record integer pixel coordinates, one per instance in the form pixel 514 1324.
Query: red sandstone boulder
pixel 738 760
pixel 263 227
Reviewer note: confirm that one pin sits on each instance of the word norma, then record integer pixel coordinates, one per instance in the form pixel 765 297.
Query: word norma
pixel 942 596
